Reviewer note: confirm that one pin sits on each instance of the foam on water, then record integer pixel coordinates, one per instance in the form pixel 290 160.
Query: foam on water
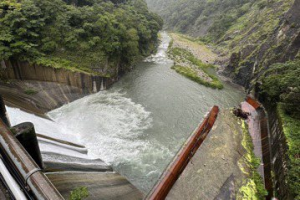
pixel 161 56
pixel 112 127
pixel 41 125
pixel 107 123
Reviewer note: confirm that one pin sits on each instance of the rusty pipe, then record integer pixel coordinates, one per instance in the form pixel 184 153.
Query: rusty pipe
pixel 175 169
pixel 26 171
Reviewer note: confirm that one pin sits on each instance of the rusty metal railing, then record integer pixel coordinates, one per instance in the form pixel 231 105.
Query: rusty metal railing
pixel 172 173
pixel 24 169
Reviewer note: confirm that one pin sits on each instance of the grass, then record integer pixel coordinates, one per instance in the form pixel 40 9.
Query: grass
pixel 30 91
pixel 186 55
pixel 291 129
pixel 183 55
pixel 192 75
pixel 253 187
pixel 59 63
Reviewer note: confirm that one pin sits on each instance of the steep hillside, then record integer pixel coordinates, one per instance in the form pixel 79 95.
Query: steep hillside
pixel 91 36
pixel 255 34
pixel 201 17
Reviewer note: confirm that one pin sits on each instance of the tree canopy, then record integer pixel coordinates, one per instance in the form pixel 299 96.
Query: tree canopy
pixel 87 33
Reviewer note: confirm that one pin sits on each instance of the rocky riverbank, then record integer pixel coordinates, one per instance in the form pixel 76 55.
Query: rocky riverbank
pixel 193 60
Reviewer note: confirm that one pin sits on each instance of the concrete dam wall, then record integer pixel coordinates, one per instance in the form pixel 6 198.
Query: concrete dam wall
pixel 26 71
pixel 43 88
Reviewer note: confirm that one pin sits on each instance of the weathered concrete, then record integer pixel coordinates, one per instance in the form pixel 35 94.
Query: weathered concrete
pixel 44 96
pixel 87 83
pixel 104 186
pixel 60 162
pixel 4 194
pixel 39 89
pixel 213 173
pixel 254 130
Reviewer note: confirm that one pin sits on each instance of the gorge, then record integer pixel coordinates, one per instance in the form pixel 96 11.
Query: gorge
pixel 100 76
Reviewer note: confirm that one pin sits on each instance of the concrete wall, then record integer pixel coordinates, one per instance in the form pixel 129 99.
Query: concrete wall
pixel 25 71
pixel 279 155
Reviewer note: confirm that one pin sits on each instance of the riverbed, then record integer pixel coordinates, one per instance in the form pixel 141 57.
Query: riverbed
pixel 139 124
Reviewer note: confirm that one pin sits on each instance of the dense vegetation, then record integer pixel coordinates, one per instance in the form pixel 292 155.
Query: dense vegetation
pixel 282 84
pixel 203 17
pixel 84 35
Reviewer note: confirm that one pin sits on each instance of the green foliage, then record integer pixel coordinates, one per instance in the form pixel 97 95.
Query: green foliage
pixel 192 74
pixel 291 128
pixel 179 55
pixel 281 83
pixel 30 91
pixel 253 188
pixel 92 34
pixel 185 54
pixel 186 16
pixel 79 193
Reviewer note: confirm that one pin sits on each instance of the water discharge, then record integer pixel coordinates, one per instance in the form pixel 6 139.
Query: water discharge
pixel 140 123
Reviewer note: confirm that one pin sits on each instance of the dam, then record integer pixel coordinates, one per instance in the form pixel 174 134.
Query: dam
pixel 135 128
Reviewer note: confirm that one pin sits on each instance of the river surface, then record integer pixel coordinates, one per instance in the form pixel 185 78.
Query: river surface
pixel 141 122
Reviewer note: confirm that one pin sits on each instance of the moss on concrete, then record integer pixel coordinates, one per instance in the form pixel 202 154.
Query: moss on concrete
pixel 253 187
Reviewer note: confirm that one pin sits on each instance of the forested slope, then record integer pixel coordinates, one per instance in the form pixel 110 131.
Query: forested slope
pixel 202 17
pixel 81 35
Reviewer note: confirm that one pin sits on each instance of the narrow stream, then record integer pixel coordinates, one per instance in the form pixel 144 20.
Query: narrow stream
pixel 140 123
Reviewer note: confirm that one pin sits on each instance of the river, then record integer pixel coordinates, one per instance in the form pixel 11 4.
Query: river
pixel 141 122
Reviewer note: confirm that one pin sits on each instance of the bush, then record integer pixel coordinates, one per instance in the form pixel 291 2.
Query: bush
pixel 281 83
pixel 79 193
pixel 192 74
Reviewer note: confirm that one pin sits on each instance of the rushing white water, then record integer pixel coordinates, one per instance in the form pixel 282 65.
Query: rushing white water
pixel 140 123
pixel 41 125
pixel 161 56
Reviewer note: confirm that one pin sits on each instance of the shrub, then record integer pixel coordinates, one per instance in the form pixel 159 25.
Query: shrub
pixel 79 193
pixel 30 91
pixel 281 83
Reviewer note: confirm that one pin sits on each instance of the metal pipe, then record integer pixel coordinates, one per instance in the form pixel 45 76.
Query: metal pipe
pixel 23 167
pixel 12 184
pixel 26 135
